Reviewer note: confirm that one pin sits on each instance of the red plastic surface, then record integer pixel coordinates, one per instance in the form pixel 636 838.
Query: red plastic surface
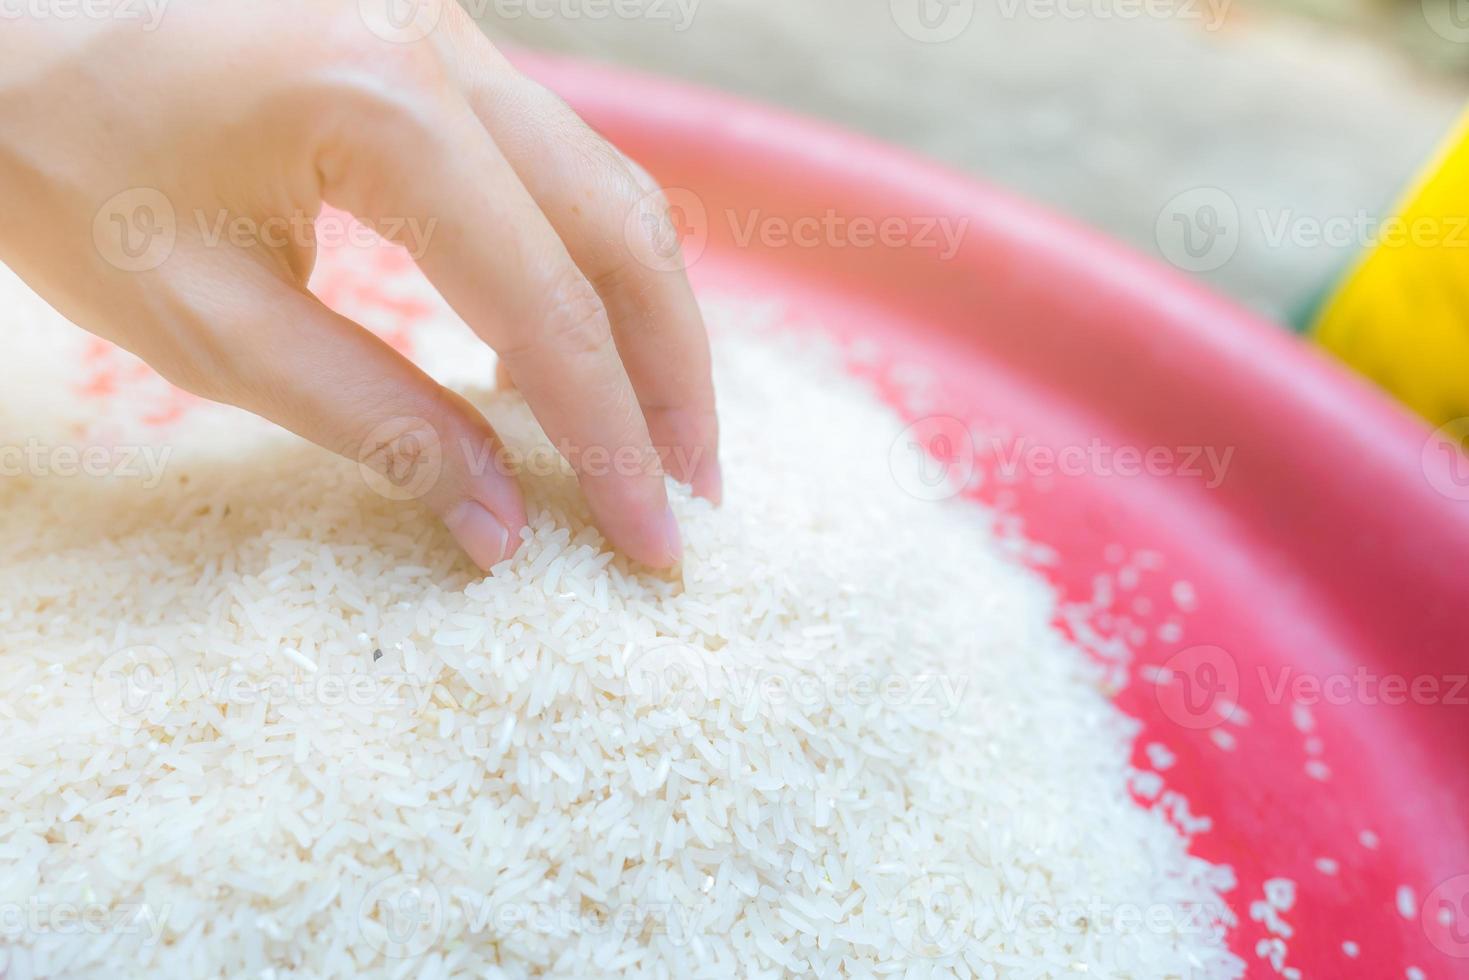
pixel 1336 546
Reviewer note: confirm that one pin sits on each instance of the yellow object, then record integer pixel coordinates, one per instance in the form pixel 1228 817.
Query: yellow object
pixel 1401 316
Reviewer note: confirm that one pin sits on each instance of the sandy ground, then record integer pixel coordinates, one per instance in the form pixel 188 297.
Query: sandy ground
pixel 1286 140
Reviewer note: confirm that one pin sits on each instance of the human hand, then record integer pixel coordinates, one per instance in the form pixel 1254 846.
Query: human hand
pixel 268 110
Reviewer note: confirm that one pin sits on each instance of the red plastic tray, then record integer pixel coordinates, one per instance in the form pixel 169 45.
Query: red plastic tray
pixel 1336 547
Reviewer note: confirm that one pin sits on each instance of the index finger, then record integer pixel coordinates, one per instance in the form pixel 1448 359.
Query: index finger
pixel 499 263
pixel 604 207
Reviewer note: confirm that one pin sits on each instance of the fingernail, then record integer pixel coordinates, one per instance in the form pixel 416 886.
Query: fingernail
pixel 709 482
pixel 672 540
pixel 479 533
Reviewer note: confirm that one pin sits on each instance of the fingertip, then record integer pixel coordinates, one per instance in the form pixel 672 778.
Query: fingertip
pixel 708 481
pixel 652 540
pixel 482 535
pixel 688 448
pixel 666 541
pixel 489 515
pixel 503 380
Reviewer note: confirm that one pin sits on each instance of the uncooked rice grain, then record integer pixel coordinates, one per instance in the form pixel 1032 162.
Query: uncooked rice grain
pixel 264 722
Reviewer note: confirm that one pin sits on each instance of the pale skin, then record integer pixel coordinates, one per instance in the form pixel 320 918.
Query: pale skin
pixel 272 108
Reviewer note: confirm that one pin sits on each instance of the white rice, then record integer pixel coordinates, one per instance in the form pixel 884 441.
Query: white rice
pixel 264 723
pixel 1407 901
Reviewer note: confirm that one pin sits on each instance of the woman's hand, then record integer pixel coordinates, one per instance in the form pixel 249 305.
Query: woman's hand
pixel 268 109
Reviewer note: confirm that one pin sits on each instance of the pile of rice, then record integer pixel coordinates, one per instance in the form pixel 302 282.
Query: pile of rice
pixel 261 722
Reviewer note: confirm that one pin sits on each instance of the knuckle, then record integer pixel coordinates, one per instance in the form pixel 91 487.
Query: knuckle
pixel 188 374
pixel 618 276
pixel 189 350
pixel 375 100
pixel 575 320
pixel 401 95
pixel 405 67
pixel 596 155
pixel 397 445
pixel 604 159
pixel 622 185
pixel 364 35
pixel 653 213
pixel 405 455
pixel 641 179
pixel 554 111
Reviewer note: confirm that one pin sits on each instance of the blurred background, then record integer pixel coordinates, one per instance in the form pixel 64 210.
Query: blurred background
pixel 1250 142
